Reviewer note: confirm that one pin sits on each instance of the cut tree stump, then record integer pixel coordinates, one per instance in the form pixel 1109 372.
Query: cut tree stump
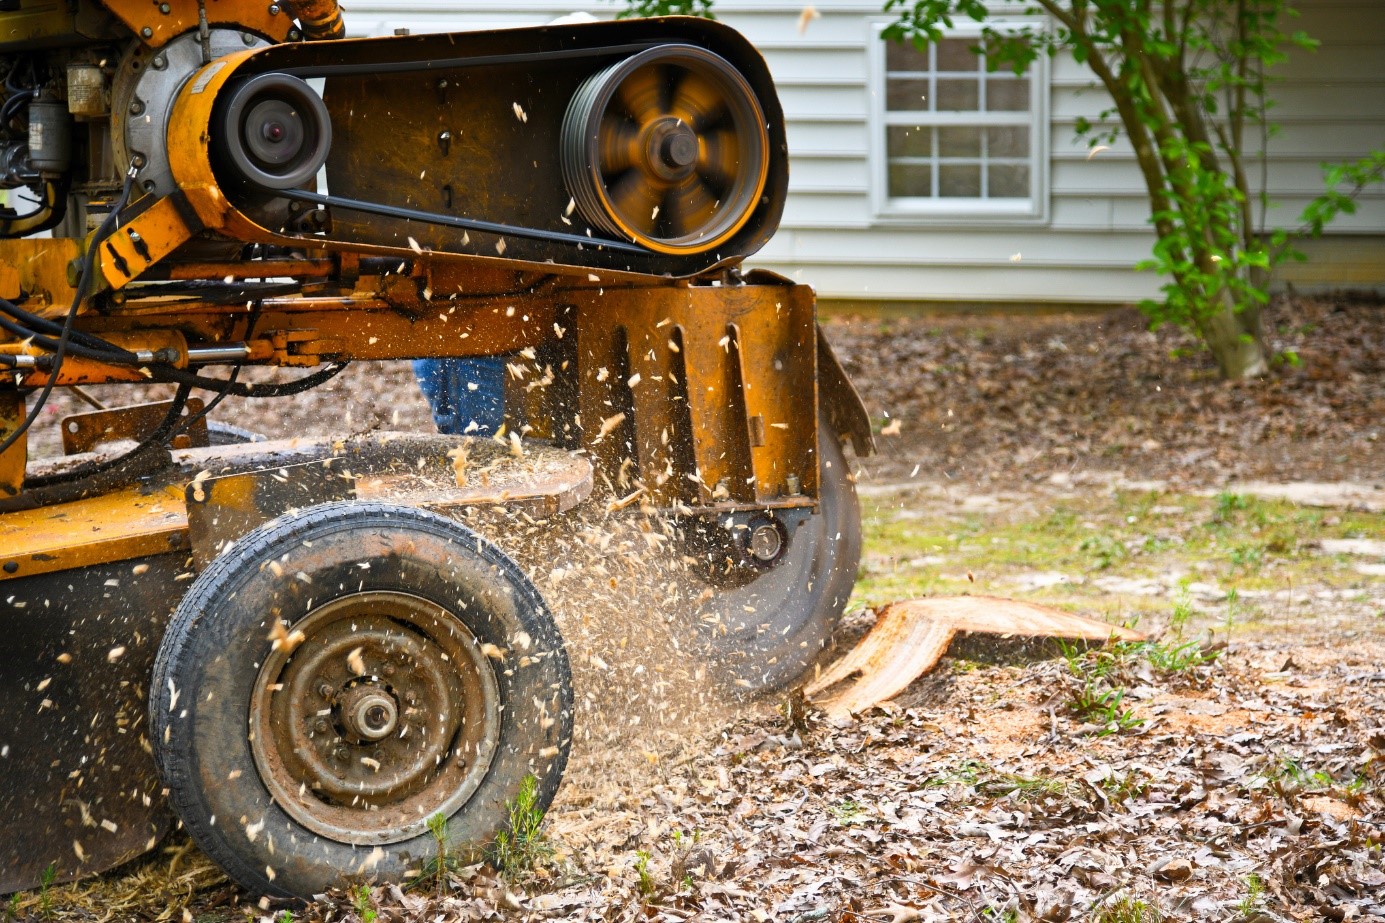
pixel 909 638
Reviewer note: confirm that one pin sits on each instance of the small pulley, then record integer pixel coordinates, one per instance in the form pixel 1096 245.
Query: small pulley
pixel 271 132
pixel 667 148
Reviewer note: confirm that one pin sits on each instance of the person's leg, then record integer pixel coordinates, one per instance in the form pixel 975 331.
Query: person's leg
pixel 467 396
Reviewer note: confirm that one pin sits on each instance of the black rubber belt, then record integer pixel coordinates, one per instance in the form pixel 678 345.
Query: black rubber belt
pixel 433 218
pixel 466 224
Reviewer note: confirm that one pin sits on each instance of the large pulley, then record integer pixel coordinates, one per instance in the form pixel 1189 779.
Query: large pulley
pixel 667 148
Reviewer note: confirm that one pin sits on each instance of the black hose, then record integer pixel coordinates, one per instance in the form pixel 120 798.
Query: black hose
pixel 38 323
pixel 169 373
pixel 88 262
pixel 167 427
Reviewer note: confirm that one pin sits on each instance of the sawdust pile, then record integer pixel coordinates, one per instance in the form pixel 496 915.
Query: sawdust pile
pixel 627 604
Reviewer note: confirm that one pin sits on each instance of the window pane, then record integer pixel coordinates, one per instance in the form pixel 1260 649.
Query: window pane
pixel 958 96
pixel 1008 181
pixel 911 179
pixel 908 141
pixel 961 181
pixel 1007 95
pixel 955 54
pixel 1011 141
pixel 903 95
pixel 905 57
pixel 959 142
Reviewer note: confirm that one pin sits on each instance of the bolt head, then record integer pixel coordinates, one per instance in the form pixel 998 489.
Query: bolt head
pixel 165 8
pixel 146 32
pixel 274 9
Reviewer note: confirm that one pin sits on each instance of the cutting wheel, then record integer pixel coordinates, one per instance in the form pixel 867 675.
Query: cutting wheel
pixel 666 148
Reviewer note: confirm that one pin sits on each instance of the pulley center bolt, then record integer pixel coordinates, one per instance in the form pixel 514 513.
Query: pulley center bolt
pixel 370 713
pixel 680 148
pixel 671 148
pixel 766 542
pixel 273 131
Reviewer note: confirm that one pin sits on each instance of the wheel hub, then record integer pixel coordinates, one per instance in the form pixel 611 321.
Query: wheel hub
pixel 368 712
pixel 386 714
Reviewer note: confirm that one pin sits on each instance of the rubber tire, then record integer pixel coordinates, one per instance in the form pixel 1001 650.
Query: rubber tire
pixel 225 434
pixel 799 601
pixel 212 649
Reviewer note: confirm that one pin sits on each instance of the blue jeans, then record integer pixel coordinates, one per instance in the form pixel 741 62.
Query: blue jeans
pixel 467 395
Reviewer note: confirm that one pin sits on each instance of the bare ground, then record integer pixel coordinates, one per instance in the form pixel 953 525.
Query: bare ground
pixel 1240 782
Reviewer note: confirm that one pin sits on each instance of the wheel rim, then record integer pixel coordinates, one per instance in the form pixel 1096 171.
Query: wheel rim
pixel 667 148
pixel 386 713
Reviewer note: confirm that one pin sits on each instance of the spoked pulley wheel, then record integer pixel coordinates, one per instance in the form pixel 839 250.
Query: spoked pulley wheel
pixel 667 148
pixel 340 676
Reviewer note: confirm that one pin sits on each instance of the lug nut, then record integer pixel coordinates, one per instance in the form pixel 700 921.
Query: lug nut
pixel 320 725
pixel 325 691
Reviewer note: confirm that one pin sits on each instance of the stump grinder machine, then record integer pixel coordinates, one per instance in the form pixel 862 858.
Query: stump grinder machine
pixel 290 646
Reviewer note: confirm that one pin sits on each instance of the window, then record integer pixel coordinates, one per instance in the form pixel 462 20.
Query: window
pixel 954 140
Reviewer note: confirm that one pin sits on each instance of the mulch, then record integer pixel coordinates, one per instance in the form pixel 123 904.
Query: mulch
pixel 1005 400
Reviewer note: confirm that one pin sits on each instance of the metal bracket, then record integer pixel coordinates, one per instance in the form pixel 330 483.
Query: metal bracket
pixel 222 509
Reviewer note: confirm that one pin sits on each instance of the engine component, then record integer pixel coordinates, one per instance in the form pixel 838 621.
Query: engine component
pixel 86 91
pixel 667 148
pixel 50 136
pixel 272 132
pixel 15 169
pixel 146 83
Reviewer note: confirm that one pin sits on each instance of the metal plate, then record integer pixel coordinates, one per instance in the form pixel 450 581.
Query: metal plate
pixel 84 432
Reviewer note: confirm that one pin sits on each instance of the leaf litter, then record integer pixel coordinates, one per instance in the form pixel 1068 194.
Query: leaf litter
pixel 1247 787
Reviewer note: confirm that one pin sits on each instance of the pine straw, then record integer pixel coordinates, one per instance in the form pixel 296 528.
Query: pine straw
pixel 155 888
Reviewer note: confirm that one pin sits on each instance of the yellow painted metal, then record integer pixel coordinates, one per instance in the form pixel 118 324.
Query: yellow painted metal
pixel 116 526
pixel 85 432
pixel 169 344
pixel 139 244
pixel 14 459
pixel 267 19
pixel 708 391
pixel 42 267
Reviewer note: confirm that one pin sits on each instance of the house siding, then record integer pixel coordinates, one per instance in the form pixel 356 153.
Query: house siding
pixel 1330 107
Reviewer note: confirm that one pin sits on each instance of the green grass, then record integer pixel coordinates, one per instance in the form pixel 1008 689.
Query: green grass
pixel 990 782
pixel 919 547
pixel 522 845
pixel 1126 909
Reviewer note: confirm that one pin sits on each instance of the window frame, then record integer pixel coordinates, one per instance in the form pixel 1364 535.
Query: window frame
pixel 961 211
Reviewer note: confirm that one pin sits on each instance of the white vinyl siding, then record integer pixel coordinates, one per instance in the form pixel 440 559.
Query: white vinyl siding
pixel 835 235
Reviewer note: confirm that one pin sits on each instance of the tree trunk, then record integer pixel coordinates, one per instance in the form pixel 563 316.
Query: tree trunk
pixel 1234 339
